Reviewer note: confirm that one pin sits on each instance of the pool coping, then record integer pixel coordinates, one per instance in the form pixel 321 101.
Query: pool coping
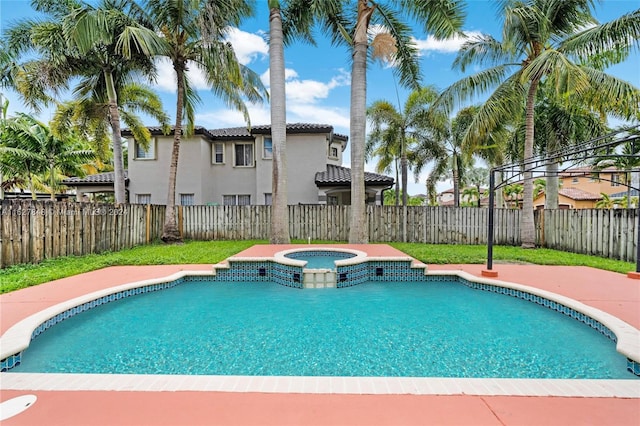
pixel 593 388
pixel 18 337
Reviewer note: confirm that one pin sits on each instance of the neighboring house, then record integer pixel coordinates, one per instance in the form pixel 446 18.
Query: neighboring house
pixel 570 198
pixel 233 166
pixel 445 198
pixel 581 187
pixel 91 184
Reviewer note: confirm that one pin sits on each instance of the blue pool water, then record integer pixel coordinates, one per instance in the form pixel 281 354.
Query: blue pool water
pixel 317 259
pixel 428 329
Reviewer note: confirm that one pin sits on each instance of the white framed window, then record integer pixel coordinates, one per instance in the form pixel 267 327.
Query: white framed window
pixel 236 200
pixel 143 198
pixel 145 154
pixel 267 148
pixel 243 155
pixel 217 154
pixel 187 199
pixel 615 179
pixel 332 200
pixel 268 199
pixel 333 151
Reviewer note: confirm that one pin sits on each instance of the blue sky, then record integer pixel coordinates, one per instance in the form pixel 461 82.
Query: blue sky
pixel 318 77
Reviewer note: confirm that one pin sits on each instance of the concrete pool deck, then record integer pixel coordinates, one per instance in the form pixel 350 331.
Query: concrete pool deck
pixel 171 400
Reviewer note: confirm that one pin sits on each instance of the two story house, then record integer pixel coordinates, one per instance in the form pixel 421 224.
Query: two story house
pixel 581 187
pixel 233 166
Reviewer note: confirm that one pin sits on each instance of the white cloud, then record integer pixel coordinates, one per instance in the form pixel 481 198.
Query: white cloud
pixel 248 46
pixel 431 44
pixel 289 74
pixel 166 80
pixel 308 91
pixel 311 91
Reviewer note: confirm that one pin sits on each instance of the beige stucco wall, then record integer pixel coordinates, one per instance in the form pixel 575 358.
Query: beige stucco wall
pixel 593 186
pixel 209 182
pixel 151 176
pixel 564 200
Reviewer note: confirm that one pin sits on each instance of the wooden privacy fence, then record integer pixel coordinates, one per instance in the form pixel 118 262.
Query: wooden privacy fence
pixel 600 232
pixel 34 230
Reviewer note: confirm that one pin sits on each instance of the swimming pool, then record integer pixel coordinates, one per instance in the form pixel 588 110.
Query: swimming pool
pixel 436 328
pixel 389 271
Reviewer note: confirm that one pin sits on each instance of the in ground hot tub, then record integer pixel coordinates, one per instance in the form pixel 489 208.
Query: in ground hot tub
pixel 320 265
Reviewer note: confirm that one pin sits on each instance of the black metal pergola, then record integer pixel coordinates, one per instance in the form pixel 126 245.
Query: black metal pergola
pixel 603 147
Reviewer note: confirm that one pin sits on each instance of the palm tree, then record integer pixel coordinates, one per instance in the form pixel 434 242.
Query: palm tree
pixel 192 33
pixel 443 19
pixel 384 146
pixel 539 187
pixel 452 159
pixel 470 194
pixel 606 202
pixel 89 116
pixel 477 176
pixel 279 209
pixel 513 192
pixel 561 122
pixel 398 131
pixel 102 45
pixel 540 38
pixel 30 151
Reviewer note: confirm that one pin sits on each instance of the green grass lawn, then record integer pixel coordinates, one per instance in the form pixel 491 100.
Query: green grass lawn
pixel 198 252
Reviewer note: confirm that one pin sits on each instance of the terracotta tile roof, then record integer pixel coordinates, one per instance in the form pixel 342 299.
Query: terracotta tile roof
pixel 337 175
pixel 97 179
pixel 578 194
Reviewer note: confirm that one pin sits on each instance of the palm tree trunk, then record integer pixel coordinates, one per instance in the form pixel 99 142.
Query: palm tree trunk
pixel 359 227
pixel 170 231
pixel 397 186
pixel 551 187
pixel 456 182
pixel 403 166
pixel 114 119
pixel 52 182
pixel 279 209
pixel 527 226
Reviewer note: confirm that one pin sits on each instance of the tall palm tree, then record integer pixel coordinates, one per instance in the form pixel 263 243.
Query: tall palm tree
pixel 451 157
pixel 384 147
pixel 279 208
pixel 561 122
pixel 540 39
pixel 399 131
pixel 193 35
pixel 442 18
pixel 103 45
pixel 29 150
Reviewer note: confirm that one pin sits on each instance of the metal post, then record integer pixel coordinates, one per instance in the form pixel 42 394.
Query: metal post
pixel 638 238
pixel 492 184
